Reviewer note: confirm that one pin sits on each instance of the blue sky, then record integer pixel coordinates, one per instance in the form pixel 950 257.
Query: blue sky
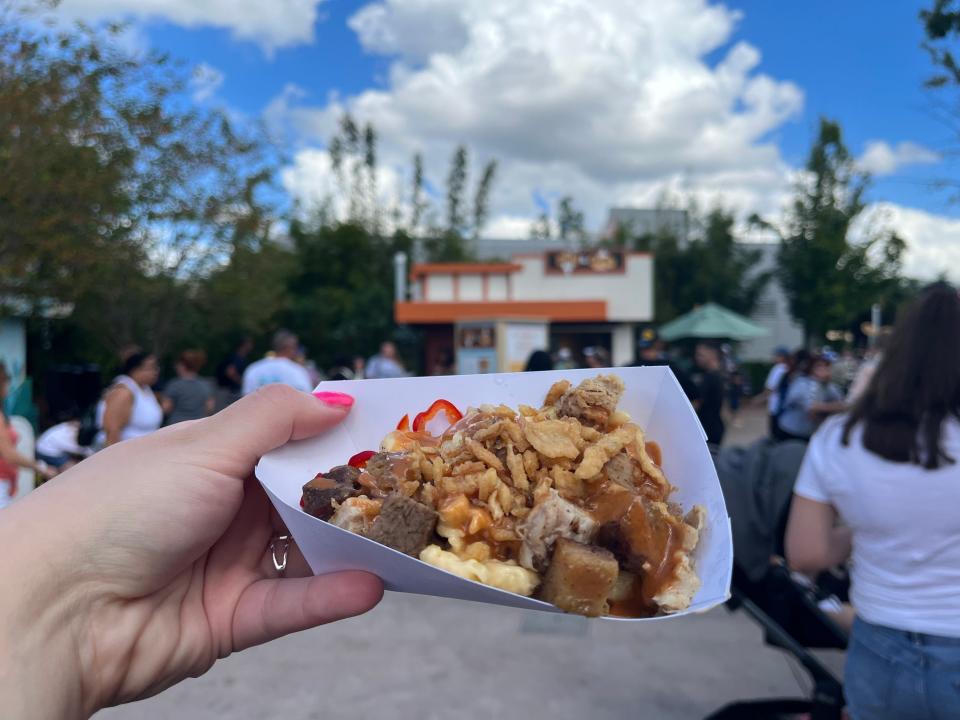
pixel 720 101
pixel 334 62
pixel 858 62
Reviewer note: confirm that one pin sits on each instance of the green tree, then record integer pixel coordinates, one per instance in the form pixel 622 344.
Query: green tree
pixel 340 294
pixel 540 228
pixel 63 195
pixel 447 246
pixel 570 221
pixel 710 266
pixel 370 166
pixel 827 278
pixel 117 195
pixel 720 269
pixel 353 159
pixel 450 243
pixel 671 271
pixel 418 203
pixel 941 24
pixel 456 186
pixel 244 297
pixel 481 202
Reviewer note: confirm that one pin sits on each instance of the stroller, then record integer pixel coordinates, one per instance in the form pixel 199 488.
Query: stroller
pixel 757 483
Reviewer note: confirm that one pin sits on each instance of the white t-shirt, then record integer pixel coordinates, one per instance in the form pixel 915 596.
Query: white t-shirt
pixel 905 570
pixel 61 439
pixel 276 370
pixel 381 367
pixel 773 385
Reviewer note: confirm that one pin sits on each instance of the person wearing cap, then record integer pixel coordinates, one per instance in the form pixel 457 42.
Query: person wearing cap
pixel 771 394
pixel 651 351
pixel 810 398
pixel 596 357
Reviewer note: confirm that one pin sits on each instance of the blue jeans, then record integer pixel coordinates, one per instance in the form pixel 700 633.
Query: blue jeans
pixel 899 675
pixel 54 460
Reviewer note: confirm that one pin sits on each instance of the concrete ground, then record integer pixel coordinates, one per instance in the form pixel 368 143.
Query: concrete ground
pixel 425 658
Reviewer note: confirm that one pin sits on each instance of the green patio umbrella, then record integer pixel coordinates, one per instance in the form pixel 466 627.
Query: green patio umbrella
pixel 711 321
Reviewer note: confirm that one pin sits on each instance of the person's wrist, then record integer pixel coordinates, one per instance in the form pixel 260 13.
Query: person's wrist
pixel 41 623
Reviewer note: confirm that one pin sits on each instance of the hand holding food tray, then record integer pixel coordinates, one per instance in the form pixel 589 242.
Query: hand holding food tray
pixel 577 532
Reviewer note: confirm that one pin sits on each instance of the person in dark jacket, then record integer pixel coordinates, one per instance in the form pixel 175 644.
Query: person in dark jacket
pixel 230 371
pixel 653 352
pixel 710 390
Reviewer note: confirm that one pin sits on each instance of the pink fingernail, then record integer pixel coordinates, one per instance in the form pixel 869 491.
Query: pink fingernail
pixel 335 399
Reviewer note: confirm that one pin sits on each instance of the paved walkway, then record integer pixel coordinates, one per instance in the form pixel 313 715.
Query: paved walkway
pixel 425 658
pixel 429 658
pixel 749 425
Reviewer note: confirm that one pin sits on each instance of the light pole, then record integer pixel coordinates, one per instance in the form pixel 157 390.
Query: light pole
pixel 875 320
pixel 400 277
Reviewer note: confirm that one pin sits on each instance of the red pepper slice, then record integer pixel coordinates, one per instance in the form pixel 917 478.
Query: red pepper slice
pixel 439 406
pixel 359 460
pixel 404 423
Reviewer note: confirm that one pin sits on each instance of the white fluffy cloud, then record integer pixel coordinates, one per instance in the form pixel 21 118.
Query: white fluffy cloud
pixel 416 30
pixel 312 181
pixel 933 241
pixel 273 24
pixel 608 100
pixel 880 158
pixel 205 82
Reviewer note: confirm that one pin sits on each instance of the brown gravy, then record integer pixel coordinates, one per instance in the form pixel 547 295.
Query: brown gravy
pixel 653 541
pixel 653 450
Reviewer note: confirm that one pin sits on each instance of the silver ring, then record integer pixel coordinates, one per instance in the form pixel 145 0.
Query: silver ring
pixel 281 543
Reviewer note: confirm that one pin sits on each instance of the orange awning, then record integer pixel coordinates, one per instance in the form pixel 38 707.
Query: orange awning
pixel 426 313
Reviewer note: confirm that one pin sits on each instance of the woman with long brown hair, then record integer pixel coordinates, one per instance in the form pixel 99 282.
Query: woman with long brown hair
pixel 889 469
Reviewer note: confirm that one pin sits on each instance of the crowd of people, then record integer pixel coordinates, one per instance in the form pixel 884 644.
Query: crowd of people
pixel 801 390
pixel 183 544
pixel 136 402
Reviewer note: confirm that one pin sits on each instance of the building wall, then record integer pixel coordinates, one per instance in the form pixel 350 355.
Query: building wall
pixel 471 288
pixel 497 287
pixel 439 288
pixel 772 312
pixel 629 295
pixel 626 303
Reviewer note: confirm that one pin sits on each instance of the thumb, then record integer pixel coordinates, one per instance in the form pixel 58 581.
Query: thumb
pixel 269 418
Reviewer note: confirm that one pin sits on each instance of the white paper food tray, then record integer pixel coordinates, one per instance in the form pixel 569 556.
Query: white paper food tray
pixel 653 398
